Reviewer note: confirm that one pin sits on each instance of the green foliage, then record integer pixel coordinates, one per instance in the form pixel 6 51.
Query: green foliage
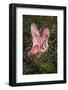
pixel 42 68
pixel 42 62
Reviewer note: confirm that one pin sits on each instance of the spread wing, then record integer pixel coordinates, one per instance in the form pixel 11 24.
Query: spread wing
pixel 35 33
pixel 45 34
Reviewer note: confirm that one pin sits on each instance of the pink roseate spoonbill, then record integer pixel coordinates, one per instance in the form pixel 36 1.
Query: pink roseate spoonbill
pixel 40 42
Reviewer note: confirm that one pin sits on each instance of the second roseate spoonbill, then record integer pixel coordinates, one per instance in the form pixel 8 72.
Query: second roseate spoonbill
pixel 40 42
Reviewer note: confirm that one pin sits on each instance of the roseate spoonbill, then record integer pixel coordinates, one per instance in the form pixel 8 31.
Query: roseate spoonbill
pixel 40 42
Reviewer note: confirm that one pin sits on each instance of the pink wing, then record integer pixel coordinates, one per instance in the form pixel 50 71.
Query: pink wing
pixel 36 39
pixel 35 33
pixel 45 36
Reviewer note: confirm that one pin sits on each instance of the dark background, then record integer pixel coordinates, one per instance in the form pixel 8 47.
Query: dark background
pixel 40 63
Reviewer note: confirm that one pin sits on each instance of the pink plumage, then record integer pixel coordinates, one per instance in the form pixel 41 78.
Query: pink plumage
pixel 40 42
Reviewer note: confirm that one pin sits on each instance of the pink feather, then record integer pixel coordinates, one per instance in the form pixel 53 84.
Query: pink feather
pixel 40 42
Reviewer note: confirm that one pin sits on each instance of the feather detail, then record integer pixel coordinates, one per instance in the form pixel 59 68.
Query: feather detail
pixel 40 43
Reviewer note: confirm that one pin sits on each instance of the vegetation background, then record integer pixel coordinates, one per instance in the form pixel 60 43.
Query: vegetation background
pixel 40 63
